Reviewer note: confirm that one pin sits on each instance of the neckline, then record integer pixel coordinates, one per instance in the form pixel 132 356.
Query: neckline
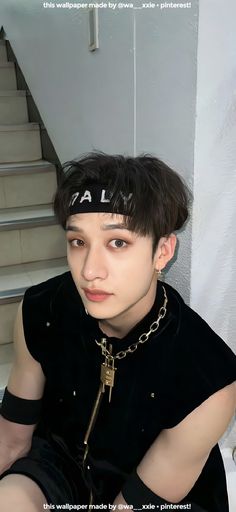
pixel 141 327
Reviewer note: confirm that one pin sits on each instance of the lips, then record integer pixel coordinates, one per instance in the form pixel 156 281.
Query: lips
pixel 96 295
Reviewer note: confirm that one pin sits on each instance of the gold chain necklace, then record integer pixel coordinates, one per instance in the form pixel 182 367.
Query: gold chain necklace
pixel 108 366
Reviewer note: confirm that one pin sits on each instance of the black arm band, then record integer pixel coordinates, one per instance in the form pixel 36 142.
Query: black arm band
pixel 20 410
pixel 137 494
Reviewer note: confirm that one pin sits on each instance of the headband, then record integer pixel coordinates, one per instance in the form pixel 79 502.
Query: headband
pixel 95 198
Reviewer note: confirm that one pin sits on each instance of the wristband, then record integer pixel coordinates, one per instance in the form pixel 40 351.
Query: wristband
pixel 20 410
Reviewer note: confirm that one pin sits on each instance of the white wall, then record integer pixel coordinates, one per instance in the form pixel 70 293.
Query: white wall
pixel 213 280
pixel 166 81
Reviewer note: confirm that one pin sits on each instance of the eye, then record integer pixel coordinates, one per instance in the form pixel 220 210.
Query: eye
pixel 118 244
pixel 76 242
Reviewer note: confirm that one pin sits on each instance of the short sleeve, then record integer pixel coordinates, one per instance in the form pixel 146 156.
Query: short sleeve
pixel 200 364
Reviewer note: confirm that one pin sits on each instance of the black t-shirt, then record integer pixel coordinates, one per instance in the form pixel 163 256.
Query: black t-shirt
pixel 181 365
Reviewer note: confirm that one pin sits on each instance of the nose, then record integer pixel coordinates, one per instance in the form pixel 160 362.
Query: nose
pixel 94 265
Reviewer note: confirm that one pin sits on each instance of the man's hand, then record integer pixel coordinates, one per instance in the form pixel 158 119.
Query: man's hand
pixel 175 460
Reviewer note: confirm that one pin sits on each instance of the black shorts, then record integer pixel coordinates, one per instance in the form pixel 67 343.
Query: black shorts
pixel 60 482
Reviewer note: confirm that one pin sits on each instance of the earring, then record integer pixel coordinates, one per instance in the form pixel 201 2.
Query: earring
pixel 86 311
pixel 159 273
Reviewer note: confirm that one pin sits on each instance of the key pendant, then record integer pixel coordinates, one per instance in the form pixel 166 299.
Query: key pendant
pixel 108 375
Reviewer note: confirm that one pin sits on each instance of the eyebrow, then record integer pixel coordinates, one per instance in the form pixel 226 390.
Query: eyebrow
pixel 104 227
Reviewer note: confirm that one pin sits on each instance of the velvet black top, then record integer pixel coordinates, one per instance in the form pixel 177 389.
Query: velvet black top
pixel 181 365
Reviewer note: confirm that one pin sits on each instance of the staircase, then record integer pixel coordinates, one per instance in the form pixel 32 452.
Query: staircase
pixel 32 245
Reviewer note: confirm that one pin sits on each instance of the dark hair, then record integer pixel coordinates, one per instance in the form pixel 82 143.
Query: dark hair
pixel 160 198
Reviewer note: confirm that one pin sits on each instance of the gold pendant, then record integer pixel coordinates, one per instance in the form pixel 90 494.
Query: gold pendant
pixel 108 377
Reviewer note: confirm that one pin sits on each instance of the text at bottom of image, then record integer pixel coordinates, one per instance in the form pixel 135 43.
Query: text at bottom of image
pixel 167 506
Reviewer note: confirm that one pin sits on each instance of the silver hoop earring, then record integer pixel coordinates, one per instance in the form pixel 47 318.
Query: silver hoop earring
pixel 159 273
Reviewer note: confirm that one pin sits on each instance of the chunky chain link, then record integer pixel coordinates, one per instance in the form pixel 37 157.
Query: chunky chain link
pixel 142 338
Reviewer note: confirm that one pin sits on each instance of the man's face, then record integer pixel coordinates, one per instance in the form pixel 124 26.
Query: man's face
pixel 113 268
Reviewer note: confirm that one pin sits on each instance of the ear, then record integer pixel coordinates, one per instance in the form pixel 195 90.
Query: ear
pixel 165 251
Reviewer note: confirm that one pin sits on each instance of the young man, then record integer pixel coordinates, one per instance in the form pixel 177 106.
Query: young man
pixel 130 389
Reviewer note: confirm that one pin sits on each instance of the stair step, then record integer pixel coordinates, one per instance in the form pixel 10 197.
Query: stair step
pixel 8 65
pixel 3 51
pixel 6 358
pixel 13 108
pixel 7 76
pixel 26 127
pixel 27 185
pixel 16 168
pixel 7 318
pixel 14 281
pixel 15 93
pixel 20 143
pixel 44 242
pixel 26 217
